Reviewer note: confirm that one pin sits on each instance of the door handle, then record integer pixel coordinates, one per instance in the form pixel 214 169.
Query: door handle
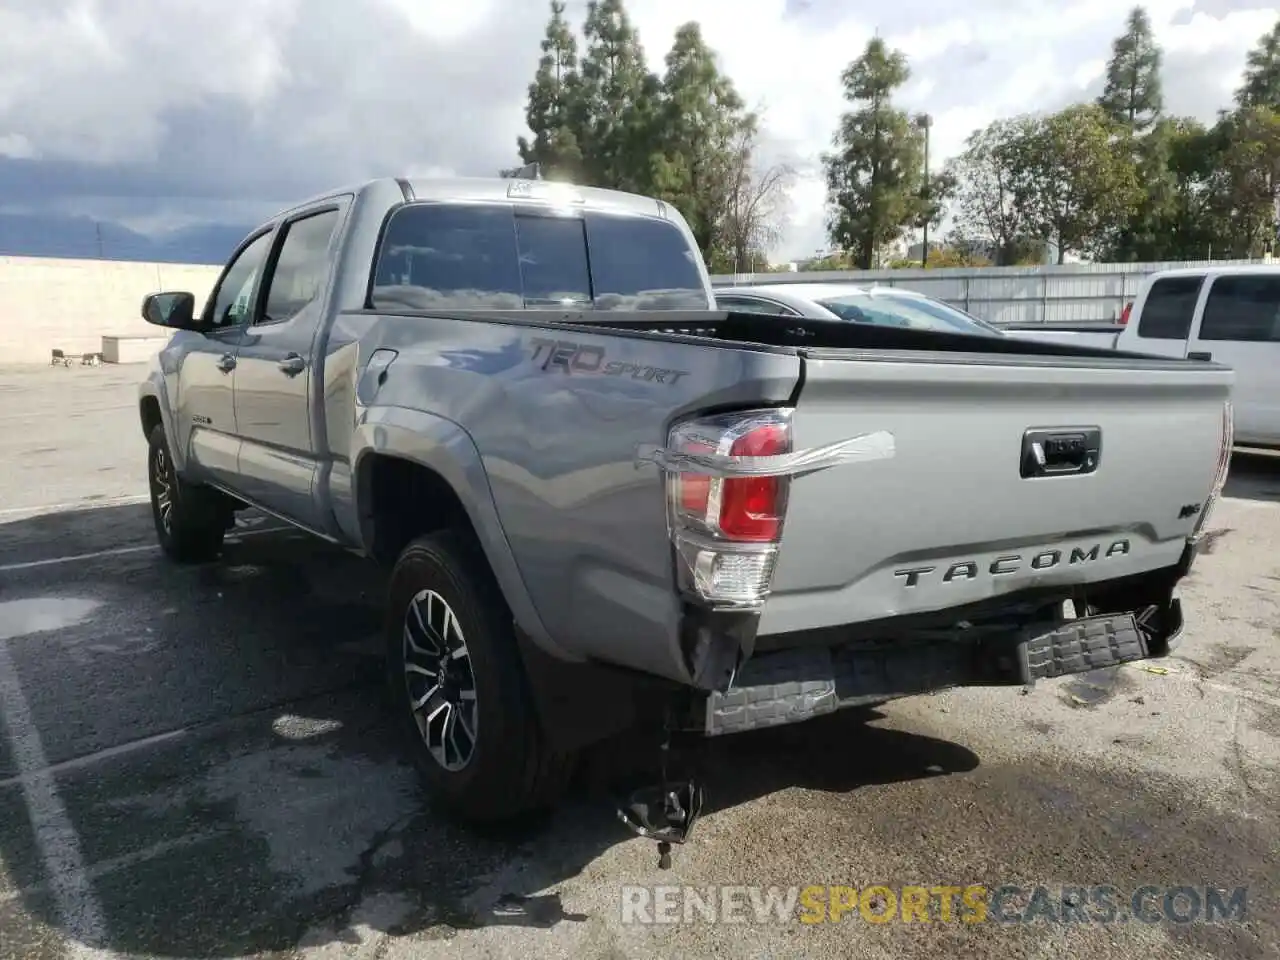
pixel 226 363
pixel 1199 355
pixel 292 365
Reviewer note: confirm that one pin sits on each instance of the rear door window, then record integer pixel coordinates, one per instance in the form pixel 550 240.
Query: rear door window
pixel 915 313
pixel 301 267
pixel 1242 308
pixel 1170 305
pixel 751 305
pixel 495 256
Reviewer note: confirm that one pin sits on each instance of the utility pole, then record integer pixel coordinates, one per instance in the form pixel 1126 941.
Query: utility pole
pixel 924 122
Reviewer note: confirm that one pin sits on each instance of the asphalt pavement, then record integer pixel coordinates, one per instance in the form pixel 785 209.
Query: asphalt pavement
pixel 196 762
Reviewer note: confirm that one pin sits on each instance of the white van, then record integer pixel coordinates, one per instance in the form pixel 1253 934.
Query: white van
pixel 1230 315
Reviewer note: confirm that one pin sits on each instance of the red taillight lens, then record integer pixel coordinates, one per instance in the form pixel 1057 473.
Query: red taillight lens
pixel 726 526
pixel 1124 314
pixel 741 509
pixel 750 506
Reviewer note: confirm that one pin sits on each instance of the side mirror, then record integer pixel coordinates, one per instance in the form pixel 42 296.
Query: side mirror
pixel 174 310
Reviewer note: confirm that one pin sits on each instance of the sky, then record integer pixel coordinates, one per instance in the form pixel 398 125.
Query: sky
pixel 171 112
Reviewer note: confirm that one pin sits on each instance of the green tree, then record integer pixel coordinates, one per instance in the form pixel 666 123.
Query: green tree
pixel 833 262
pixel 1144 235
pixel 552 99
pixel 616 105
pixel 937 193
pixel 701 118
pixel 946 257
pixel 1074 181
pixel 1261 87
pixel 1133 101
pixel 873 171
pixel 1188 226
pixel 1244 184
pixel 990 214
pixel 1133 98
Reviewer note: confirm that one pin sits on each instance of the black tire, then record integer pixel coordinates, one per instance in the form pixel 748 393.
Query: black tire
pixel 511 774
pixel 191 530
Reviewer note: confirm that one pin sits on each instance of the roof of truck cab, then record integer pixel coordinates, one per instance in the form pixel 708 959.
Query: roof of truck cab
pixel 475 189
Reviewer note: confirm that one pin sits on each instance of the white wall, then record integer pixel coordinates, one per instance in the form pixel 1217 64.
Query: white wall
pixel 70 304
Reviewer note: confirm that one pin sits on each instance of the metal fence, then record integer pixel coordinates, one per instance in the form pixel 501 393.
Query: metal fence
pixel 1077 293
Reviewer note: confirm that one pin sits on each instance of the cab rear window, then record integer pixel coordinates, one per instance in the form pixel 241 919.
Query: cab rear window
pixel 442 256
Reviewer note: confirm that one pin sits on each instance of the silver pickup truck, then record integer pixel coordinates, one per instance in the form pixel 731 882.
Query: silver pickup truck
pixel 607 506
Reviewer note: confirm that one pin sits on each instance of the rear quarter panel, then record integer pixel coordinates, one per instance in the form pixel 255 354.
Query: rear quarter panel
pixel 587 527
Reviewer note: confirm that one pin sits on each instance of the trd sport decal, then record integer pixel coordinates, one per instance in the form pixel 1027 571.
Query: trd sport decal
pixel 584 358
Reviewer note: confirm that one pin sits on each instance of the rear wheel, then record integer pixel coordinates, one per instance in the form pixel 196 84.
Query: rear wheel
pixel 190 521
pixel 459 689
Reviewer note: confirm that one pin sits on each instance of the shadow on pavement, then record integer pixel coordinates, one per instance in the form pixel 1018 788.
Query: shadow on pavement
pixel 1254 476
pixel 220 744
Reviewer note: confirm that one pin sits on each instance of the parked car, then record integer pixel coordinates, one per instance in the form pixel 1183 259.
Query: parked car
pixel 883 306
pixel 1229 314
pixel 898 307
pixel 607 505
pixel 1103 335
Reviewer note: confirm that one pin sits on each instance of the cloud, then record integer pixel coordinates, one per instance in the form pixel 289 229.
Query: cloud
pixel 173 110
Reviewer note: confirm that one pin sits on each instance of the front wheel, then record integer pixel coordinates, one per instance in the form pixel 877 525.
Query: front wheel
pixel 458 686
pixel 189 524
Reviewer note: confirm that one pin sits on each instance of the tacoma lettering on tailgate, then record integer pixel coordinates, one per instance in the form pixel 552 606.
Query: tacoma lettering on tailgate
pixel 1014 563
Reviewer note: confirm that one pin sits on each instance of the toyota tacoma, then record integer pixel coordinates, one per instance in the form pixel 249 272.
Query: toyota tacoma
pixel 607 505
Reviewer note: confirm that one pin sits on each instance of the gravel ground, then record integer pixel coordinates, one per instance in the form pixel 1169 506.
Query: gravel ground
pixel 196 763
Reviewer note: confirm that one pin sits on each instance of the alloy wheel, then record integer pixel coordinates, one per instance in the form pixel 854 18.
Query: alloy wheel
pixel 440 681
pixel 162 489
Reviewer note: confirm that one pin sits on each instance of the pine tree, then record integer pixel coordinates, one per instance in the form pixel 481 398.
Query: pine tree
pixel 1133 97
pixel 875 168
pixel 1261 87
pixel 616 105
pixel 700 117
pixel 550 113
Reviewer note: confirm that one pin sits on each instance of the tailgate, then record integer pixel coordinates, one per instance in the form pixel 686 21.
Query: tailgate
pixel 950 519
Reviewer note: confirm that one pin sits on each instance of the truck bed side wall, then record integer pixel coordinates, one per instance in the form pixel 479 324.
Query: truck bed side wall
pixel 556 417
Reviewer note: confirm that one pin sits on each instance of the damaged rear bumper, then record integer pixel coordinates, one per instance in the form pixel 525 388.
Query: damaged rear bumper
pixel 789 686
pixel 1136 618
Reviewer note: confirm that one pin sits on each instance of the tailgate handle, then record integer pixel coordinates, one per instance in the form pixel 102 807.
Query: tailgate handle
pixel 1199 355
pixel 1060 452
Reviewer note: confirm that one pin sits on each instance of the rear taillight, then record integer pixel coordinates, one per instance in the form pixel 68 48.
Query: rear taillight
pixel 726 527
pixel 1226 440
pixel 1124 314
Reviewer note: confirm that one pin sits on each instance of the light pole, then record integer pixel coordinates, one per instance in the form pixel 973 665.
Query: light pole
pixel 924 122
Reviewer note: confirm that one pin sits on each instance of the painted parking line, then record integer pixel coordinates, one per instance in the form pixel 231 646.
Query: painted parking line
pixel 110 753
pixel 55 836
